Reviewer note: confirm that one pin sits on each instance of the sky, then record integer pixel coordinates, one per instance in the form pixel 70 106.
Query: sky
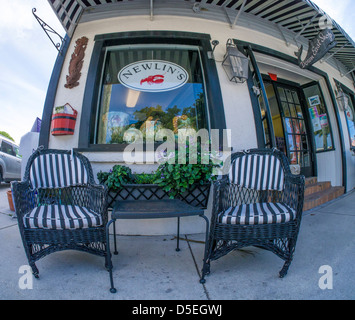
pixel 28 57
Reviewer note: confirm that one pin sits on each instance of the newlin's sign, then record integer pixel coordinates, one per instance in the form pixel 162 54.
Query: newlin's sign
pixel 153 76
pixel 317 49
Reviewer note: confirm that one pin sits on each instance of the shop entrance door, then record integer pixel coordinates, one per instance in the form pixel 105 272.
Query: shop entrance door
pixel 290 125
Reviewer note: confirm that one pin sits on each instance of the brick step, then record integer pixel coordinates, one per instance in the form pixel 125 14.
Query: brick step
pixel 321 197
pixel 310 180
pixel 317 187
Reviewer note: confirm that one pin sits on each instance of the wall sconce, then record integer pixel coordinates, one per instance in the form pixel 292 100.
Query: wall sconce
pixel 235 63
pixel 342 99
pixel 215 43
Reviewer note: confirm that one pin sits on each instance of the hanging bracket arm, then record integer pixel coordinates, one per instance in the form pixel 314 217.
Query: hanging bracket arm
pixel 50 32
pixel 238 15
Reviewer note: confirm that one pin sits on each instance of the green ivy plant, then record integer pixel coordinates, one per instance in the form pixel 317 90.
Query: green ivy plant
pixel 176 178
pixel 145 178
pixel 118 176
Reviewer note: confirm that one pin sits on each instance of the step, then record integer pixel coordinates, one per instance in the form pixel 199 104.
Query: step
pixel 317 187
pixel 316 199
pixel 310 180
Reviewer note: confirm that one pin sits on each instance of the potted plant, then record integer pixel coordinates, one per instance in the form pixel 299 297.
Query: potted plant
pixel 189 181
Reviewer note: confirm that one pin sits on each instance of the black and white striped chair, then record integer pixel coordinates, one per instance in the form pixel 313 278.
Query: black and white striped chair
pixel 259 203
pixel 59 206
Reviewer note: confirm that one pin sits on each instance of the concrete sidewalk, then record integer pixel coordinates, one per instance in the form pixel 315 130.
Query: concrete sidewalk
pixel 149 268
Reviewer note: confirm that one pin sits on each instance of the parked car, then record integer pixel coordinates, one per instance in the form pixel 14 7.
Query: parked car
pixel 10 160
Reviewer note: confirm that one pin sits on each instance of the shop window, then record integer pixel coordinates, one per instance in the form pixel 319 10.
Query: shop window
pixel 147 88
pixel 319 118
pixel 350 119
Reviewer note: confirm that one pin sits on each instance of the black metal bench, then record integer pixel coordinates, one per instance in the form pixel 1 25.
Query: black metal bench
pixel 150 209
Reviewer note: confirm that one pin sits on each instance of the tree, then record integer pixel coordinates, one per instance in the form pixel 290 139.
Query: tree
pixel 6 135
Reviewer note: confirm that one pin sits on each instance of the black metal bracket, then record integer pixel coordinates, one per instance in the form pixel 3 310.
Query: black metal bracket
pixel 50 32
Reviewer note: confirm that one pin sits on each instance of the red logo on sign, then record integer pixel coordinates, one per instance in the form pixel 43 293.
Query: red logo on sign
pixel 153 79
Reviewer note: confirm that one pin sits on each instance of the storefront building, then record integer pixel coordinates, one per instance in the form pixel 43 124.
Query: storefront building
pixel 133 64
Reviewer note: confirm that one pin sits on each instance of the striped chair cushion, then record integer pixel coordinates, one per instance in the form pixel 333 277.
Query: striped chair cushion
pixel 57 170
pixel 61 217
pixel 257 213
pixel 259 172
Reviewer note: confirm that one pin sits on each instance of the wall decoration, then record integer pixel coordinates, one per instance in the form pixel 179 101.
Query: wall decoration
pixel 63 120
pixel 317 48
pixel 76 63
pixel 315 119
pixel 314 101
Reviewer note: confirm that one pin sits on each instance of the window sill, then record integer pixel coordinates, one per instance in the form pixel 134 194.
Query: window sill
pixel 120 147
pixel 323 151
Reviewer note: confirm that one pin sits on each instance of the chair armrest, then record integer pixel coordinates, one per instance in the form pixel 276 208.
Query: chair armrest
pixel 293 194
pixel 95 197
pixel 218 188
pixel 25 198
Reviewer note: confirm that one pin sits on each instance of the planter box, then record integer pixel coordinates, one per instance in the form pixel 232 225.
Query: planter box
pixel 196 196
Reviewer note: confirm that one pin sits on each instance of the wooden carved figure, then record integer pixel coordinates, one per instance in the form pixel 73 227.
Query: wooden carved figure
pixel 76 63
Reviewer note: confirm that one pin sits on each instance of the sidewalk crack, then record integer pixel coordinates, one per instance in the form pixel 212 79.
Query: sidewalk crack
pixel 198 271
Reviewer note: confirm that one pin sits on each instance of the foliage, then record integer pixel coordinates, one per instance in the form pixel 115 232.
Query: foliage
pixel 176 178
pixel 145 178
pixel 6 135
pixel 118 176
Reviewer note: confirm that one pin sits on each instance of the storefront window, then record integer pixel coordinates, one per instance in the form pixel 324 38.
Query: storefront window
pixel 148 88
pixel 350 119
pixel 319 118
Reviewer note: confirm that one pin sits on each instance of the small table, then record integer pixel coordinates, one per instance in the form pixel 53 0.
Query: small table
pixel 150 209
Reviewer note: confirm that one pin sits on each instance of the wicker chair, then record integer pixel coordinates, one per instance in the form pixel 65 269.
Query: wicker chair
pixel 259 203
pixel 59 206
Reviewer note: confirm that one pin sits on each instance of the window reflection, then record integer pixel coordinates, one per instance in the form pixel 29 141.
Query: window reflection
pixel 319 118
pixel 122 108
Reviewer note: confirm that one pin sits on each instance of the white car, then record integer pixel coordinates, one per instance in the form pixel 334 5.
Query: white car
pixel 10 160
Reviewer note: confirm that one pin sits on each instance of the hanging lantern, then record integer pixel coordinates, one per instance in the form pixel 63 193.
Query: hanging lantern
pixel 342 99
pixel 235 63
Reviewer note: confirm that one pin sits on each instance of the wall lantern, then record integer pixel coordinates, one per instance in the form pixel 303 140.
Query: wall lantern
pixel 342 99
pixel 235 63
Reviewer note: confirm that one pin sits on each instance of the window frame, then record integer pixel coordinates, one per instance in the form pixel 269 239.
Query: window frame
pixel 327 112
pixel 214 104
pixel 351 95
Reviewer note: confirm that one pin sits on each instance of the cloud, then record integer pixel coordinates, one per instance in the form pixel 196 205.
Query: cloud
pixel 341 11
pixel 17 23
pixel 27 60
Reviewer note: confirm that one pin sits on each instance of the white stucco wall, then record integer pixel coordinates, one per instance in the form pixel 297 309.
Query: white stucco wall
pixel 236 100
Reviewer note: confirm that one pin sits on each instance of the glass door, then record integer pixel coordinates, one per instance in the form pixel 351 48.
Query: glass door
pixel 290 125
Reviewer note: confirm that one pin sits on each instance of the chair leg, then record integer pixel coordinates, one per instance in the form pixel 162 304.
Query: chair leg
pixel 34 270
pixel 206 262
pixel 291 248
pixel 109 258
pixel 284 270
pixel 206 268
pixel 205 271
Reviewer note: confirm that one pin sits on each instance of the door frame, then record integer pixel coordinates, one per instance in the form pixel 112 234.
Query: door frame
pixel 296 86
pixel 292 60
